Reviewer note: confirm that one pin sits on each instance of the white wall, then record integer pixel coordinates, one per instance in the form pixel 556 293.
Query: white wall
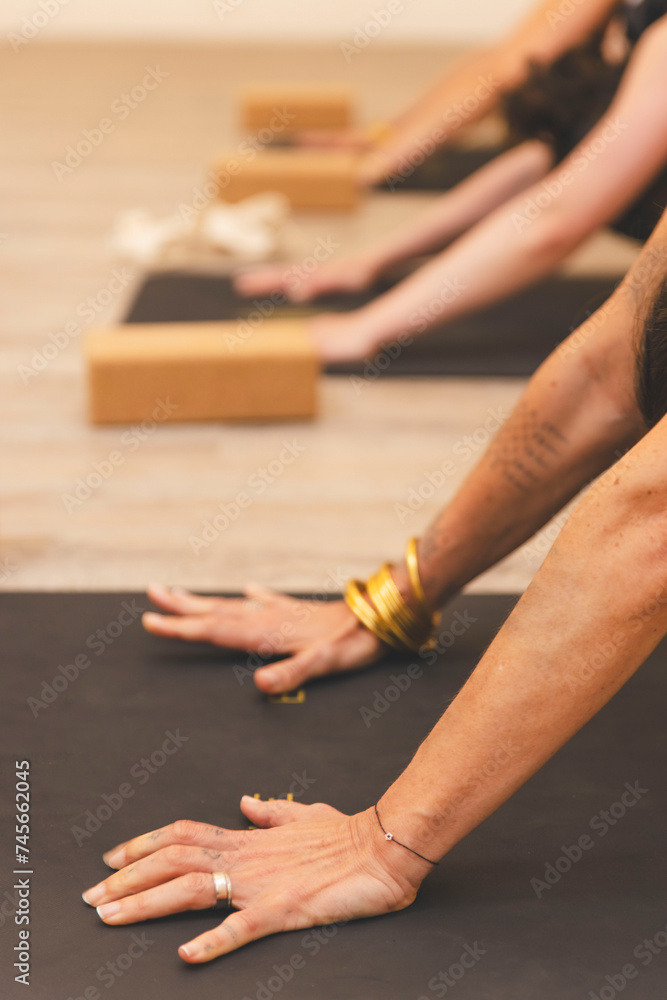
pixel 412 20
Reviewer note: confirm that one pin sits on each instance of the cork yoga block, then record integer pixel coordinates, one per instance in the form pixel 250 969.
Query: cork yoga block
pixel 292 108
pixel 312 179
pixel 201 371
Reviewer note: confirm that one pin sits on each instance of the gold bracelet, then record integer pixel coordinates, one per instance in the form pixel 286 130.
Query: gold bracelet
pixel 382 609
pixel 415 581
pixel 367 615
pixel 393 610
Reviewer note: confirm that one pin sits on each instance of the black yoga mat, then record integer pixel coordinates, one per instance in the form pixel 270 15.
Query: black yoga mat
pixel 443 169
pixel 94 703
pixel 510 338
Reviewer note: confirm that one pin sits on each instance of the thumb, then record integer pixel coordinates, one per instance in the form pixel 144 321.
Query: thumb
pixel 286 675
pixel 276 812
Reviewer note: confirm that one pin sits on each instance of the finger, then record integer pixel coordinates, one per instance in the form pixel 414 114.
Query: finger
pixel 278 812
pixel 162 866
pixel 183 831
pixel 180 601
pixel 193 628
pixel 286 675
pixel 194 891
pixel 238 929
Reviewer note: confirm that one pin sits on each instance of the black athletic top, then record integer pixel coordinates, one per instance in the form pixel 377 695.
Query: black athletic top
pixel 560 104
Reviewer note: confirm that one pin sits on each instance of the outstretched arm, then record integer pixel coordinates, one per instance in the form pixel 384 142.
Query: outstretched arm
pixel 529 235
pixel 472 88
pixel 576 413
pixel 591 616
pixel 452 214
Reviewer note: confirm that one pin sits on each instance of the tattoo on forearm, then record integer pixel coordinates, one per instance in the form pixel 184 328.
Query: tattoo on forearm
pixel 525 448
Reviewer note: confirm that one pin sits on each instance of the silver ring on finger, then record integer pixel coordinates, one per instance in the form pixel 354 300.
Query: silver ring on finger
pixel 223 891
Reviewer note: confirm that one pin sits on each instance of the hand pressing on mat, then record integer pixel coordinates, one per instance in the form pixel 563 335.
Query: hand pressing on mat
pixel 315 637
pixel 312 865
pixel 344 274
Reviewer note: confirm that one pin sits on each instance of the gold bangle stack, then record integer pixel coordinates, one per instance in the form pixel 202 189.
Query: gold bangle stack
pixel 380 607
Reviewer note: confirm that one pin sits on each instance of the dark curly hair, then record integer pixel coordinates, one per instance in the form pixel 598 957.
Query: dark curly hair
pixel 651 358
pixel 559 103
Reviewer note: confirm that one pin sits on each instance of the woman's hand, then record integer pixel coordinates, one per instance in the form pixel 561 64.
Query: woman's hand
pixel 312 865
pixel 342 337
pixel 316 637
pixel 345 274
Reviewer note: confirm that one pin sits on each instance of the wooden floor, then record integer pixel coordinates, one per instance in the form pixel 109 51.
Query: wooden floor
pixel 328 514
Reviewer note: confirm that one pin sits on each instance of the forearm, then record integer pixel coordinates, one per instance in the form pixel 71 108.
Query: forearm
pixel 485 265
pixel 461 97
pixel 583 627
pixel 471 89
pixel 576 415
pixel 465 205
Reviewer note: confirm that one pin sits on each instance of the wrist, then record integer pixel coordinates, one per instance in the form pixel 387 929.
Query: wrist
pixel 387 858
pixel 415 825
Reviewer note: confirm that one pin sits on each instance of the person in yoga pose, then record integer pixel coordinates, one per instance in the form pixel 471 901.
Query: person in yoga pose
pixel 591 418
pixel 477 84
pixel 579 163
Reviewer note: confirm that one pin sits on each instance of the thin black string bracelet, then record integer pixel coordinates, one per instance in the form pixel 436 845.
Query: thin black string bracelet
pixel 390 836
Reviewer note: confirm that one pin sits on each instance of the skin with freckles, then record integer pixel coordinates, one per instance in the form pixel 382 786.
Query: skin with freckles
pixel 593 613
pixel 171 869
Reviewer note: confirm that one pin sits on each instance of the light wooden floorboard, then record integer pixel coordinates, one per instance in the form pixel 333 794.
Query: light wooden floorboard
pixel 328 514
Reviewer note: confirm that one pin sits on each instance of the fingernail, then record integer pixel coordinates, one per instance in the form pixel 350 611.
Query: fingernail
pixel 180 591
pixel 108 910
pixel 151 618
pixel 93 896
pixel 247 798
pixel 270 676
pixel 184 950
pixel 114 859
